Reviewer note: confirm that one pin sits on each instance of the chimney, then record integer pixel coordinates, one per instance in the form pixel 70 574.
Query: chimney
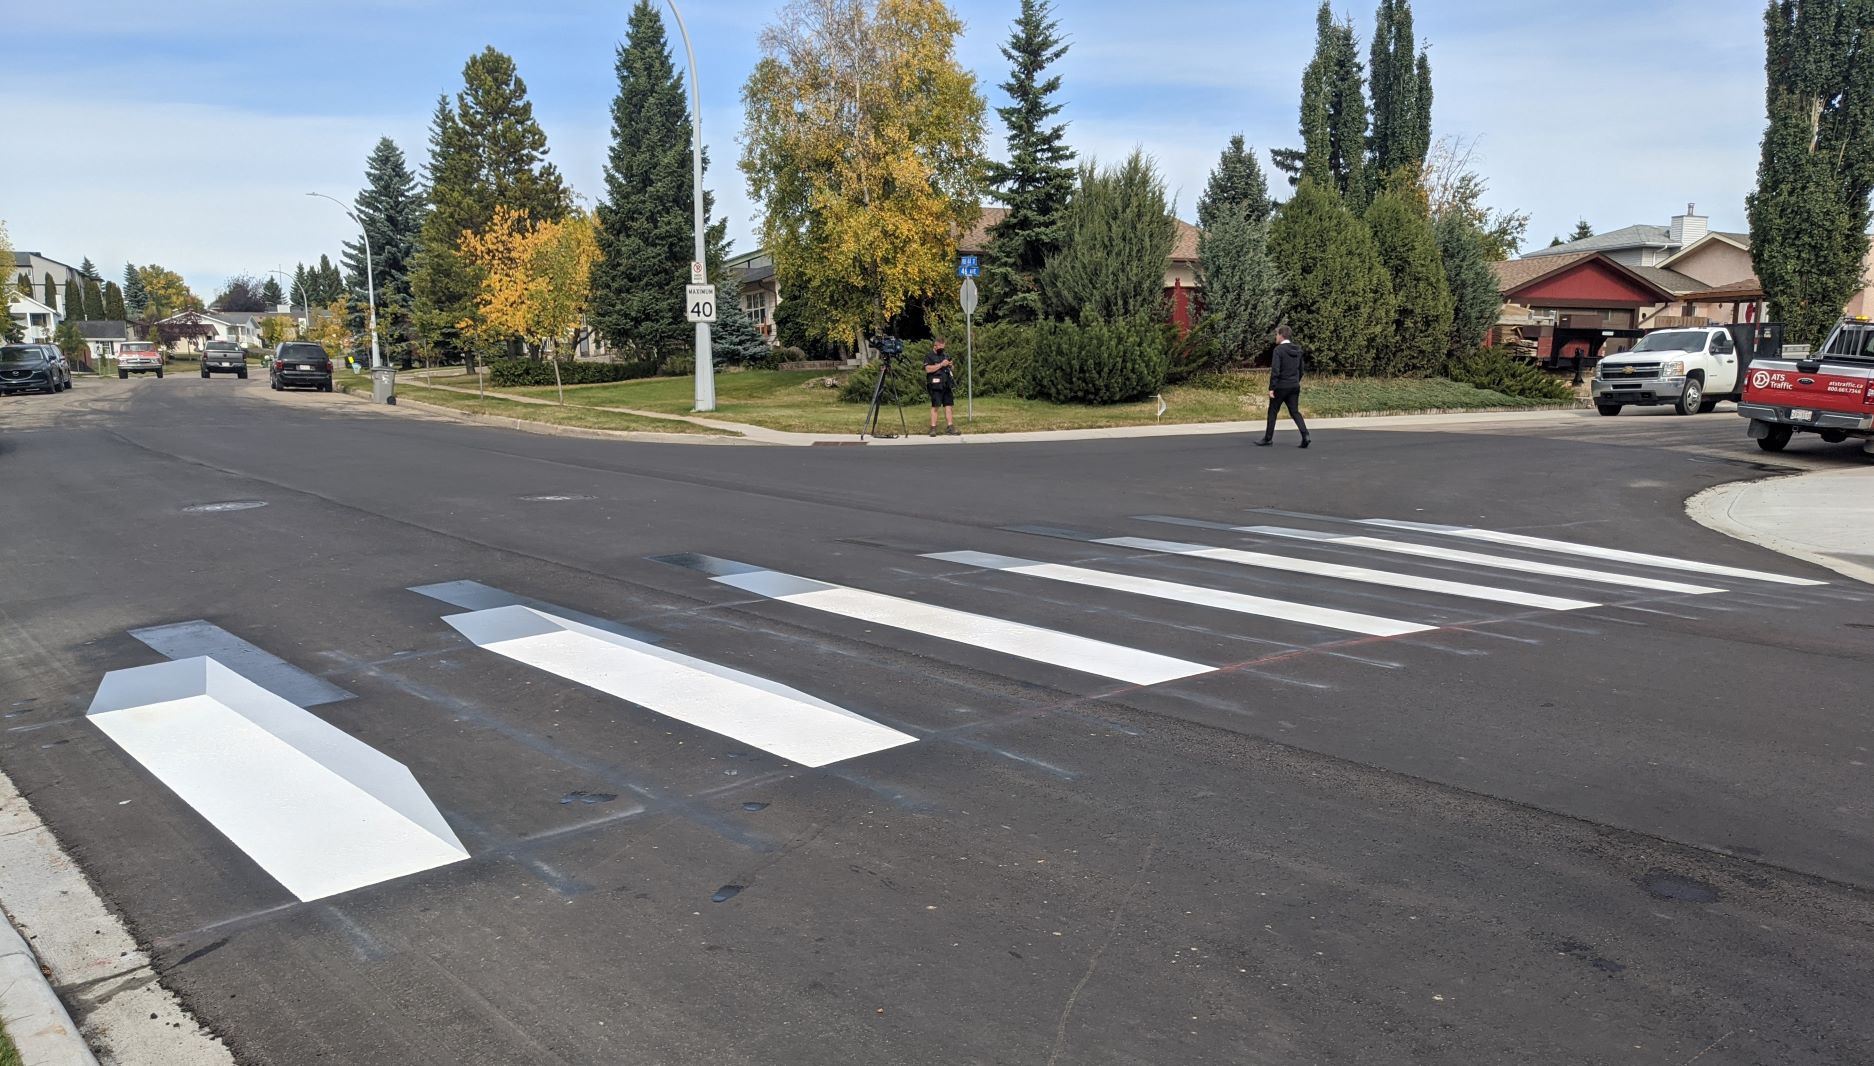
pixel 1689 227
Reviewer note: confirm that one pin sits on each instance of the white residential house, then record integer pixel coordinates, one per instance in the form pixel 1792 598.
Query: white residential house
pixel 33 268
pixel 241 327
pixel 37 320
pixel 104 337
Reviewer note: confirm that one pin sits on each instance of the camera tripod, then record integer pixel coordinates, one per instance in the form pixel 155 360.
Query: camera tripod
pixel 870 427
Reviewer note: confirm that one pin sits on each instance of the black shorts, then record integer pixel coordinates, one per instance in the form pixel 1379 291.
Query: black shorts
pixel 942 395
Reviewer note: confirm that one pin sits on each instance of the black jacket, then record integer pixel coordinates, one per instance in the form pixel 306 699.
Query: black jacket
pixel 1285 366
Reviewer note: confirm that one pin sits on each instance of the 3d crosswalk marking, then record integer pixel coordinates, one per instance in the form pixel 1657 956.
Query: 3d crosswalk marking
pixel 1295 565
pixel 320 811
pixel 1019 639
pixel 1495 562
pixel 1669 562
pixel 755 711
pixel 1329 618
pixel 188 640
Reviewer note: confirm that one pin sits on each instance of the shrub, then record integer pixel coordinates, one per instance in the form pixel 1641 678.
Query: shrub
pixel 510 373
pixel 1004 357
pixel 1494 369
pixel 906 384
pixel 1098 362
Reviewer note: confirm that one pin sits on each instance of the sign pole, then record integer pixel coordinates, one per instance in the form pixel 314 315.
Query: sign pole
pixel 967 269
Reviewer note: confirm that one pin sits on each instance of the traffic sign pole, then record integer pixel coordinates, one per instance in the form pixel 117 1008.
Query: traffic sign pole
pixel 968 299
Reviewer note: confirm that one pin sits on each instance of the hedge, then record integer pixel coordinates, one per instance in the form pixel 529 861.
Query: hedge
pixel 509 373
pixel 1098 362
pixel 1494 369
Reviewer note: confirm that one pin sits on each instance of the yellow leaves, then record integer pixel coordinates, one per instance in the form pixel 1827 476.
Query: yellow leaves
pixel 330 328
pixel 535 276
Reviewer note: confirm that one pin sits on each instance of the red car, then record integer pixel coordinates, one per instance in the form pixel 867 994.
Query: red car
pixel 1830 394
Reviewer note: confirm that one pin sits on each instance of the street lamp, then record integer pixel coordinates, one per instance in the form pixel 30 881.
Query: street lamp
pixel 305 298
pixel 705 358
pixel 383 379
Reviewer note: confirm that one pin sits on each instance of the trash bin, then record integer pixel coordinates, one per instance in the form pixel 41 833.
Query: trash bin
pixel 383 384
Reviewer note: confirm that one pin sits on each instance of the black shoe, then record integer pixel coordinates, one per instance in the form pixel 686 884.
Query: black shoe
pixel 1304 442
pixel 953 432
pixel 933 431
pixel 1264 442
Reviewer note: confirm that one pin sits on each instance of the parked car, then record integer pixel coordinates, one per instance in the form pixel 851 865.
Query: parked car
pixel 57 355
pixel 224 357
pixel 138 357
pixel 300 364
pixel 1689 369
pixel 1830 394
pixel 27 368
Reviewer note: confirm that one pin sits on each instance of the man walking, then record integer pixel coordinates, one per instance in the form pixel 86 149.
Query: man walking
pixel 1285 386
pixel 941 382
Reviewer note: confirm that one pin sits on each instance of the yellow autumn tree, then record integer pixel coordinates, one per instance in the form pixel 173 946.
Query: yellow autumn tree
pixel 863 145
pixel 536 278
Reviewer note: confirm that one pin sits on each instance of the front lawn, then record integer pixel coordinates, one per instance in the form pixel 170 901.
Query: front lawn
pixel 799 401
pixel 571 415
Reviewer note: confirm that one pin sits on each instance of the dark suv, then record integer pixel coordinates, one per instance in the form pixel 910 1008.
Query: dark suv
pixel 300 364
pixel 224 357
pixel 27 368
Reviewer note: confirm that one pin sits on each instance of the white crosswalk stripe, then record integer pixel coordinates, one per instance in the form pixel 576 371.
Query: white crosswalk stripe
pixel 1325 617
pixel 995 634
pixel 1295 565
pixel 1496 562
pixel 1668 562
pixel 755 711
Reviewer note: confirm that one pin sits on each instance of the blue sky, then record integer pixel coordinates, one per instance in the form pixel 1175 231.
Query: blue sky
pixel 186 133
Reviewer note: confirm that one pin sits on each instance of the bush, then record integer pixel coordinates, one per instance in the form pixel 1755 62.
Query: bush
pixel 1494 369
pixel 906 384
pixel 1003 361
pixel 510 373
pixel 1098 362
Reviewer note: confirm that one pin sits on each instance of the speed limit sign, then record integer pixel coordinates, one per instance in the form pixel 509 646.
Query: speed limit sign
pixel 699 303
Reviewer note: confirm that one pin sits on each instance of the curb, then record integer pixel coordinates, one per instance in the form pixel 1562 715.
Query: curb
pixel 41 1028
pixel 1714 507
pixel 548 429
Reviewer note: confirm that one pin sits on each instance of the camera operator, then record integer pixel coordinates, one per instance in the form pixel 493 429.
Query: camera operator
pixel 941 381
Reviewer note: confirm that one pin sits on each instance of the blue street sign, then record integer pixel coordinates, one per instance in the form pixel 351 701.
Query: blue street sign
pixel 968 268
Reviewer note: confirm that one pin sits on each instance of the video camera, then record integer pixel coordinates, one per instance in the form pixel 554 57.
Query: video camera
pixel 888 347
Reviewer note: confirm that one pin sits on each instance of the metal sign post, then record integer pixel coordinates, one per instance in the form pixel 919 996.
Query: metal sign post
pixel 969 339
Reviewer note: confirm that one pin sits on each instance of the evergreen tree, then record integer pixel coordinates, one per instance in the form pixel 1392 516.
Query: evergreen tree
pixel 1582 231
pixel 1237 183
pixel 1117 241
pixel 1333 114
pixel 135 299
pixel 93 299
pixel 271 293
pixel 734 338
pixel 1242 288
pixel 1336 294
pixel 392 211
pixel 486 150
pixel 49 293
pixel 114 309
pixel 1463 248
pixel 331 285
pixel 88 268
pixel 1402 231
pixel 1038 180
pixel 645 233
pixel 1809 215
pixel 74 308
pixel 302 286
pixel 1402 92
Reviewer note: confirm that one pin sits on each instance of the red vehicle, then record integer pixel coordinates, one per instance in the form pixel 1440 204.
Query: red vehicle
pixel 1830 394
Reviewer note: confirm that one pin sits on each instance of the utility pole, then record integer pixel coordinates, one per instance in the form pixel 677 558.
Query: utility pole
pixel 699 270
pixel 383 378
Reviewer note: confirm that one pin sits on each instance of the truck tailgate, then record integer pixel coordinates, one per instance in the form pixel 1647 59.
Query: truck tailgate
pixel 1841 388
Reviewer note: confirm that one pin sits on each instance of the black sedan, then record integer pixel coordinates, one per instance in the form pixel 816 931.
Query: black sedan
pixel 300 364
pixel 27 368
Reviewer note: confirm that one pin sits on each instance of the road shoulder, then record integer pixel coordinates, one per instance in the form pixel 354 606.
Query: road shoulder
pixel 1826 518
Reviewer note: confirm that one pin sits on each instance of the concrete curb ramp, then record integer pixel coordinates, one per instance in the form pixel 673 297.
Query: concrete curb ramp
pixel 41 1029
pixel 1826 518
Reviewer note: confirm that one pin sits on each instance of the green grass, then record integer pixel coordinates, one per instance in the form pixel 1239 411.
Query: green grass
pixel 9 1055
pixel 795 401
pixel 570 415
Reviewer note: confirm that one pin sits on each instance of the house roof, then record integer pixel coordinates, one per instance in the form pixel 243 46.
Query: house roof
pixel 105 330
pixel 198 316
pixel 976 241
pixel 1737 291
pixel 15 298
pixel 1614 240
pixel 760 273
pixel 1515 275
pixel 243 318
pixel 1740 241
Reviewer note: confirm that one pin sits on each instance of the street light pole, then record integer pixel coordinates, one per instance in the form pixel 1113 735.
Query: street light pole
pixel 705 357
pixel 291 283
pixel 370 281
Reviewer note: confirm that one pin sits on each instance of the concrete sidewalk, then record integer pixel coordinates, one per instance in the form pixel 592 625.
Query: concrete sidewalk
pixel 1826 518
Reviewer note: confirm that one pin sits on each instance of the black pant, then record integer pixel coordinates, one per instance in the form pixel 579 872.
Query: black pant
pixel 1291 397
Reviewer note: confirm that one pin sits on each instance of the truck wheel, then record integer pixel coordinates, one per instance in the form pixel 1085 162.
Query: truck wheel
pixel 1609 409
pixel 204 375
pixel 242 375
pixel 159 373
pixel 1776 439
pixel 1708 406
pixel 123 375
pixel 1834 436
pixel 1692 400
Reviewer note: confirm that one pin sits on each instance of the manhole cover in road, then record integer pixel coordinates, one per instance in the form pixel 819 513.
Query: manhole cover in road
pixel 556 498
pixel 224 505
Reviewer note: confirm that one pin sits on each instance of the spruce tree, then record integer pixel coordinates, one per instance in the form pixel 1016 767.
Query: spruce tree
pixel 94 299
pixel 1809 215
pixel 392 210
pixel 1336 294
pixel 1038 180
pixel 1464 249
pixel 114 309
pixel 88 268
pixel 1582 231
pixel 1237 182
pixel 1401 225
pixel 645 221
pixel 1402 91
pixel 271 292
pixel 1242 287
pixel 1117 242
pixel 74 308
pixel 734 338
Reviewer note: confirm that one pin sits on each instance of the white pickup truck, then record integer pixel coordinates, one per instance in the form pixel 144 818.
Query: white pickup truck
pixel 1691 369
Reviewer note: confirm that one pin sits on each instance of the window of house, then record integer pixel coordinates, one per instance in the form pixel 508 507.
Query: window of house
pixel 756 304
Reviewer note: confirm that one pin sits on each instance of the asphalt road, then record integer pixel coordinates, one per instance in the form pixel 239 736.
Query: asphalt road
pixel 1635 832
